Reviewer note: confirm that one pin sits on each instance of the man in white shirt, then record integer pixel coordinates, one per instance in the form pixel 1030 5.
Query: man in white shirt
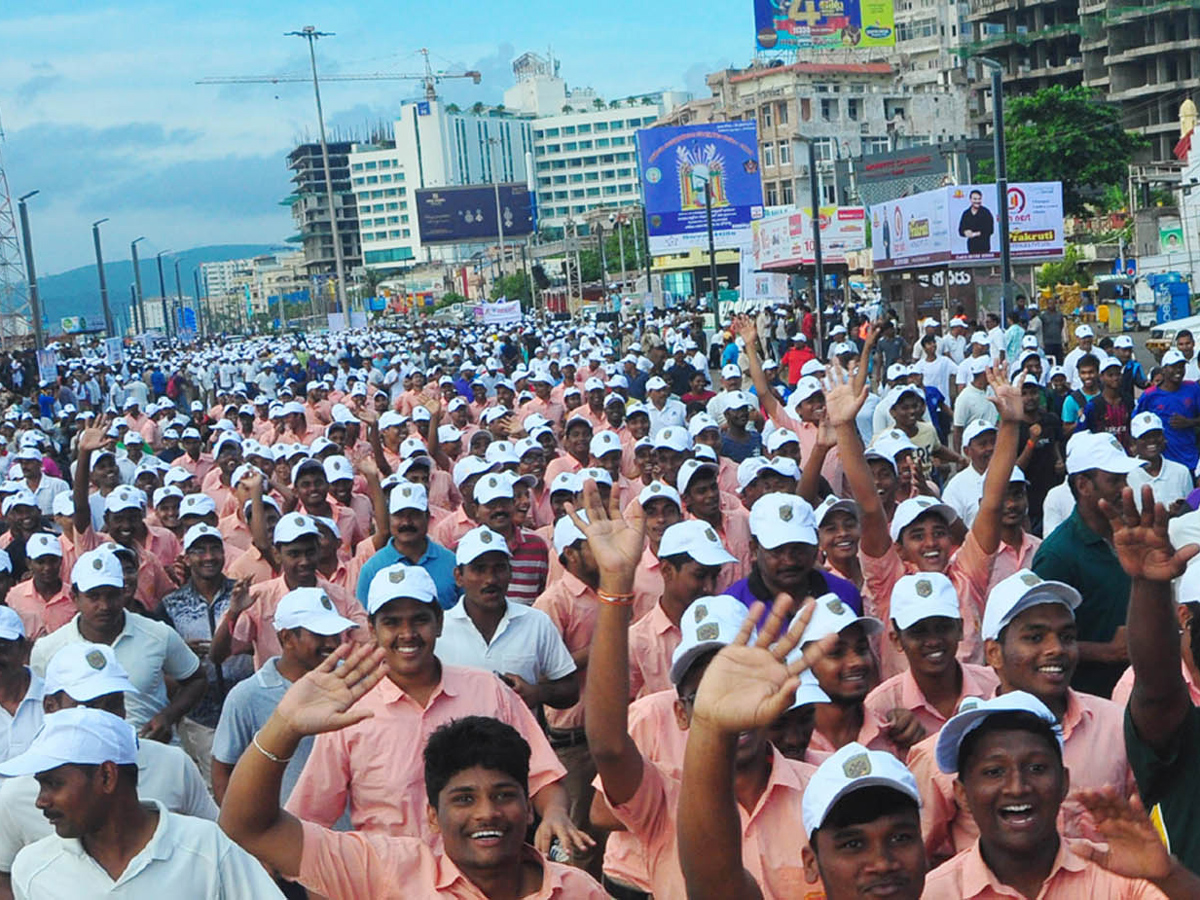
pixel 972 402
pixel 1170 481
pixel 1086 345
pixel 663 409
pixel 485 630
pixel 89 675
pixel 995 335
pixel 20 688
pixel 86 762
pixel 979 348
pixel 731 387
pixel 965 489
pixel 1185 343
pixel 955 344
pixel 935 368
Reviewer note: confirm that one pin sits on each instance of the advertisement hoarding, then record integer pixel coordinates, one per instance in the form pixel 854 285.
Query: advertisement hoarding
pixel 959 224
pixel 501 312
pixel 674 163
pixel 785 240
pixel 822 25
pixel 463 215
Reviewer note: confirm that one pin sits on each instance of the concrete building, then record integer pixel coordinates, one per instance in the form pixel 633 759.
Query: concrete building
pixel 310 206
pixel 1145 57
pixel 929 37
pixel 433 144
pixel 219 278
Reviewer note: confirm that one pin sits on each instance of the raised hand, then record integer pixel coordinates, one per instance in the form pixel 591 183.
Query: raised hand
pixel 321 701
pixel 92 439
pixel 1005 396
pixel 750 685
pixel 1134 847
pixel 842 401
pixel 616 542
pixel 745 328
pixel 1141 540
pixel 826 433
pixel 239 599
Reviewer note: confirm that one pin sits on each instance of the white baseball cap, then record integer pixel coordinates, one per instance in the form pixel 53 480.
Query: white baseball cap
pixel 469 466
pixel 899 393
pixel 738 400
pixel 399 581
pixel 564 481
pixel 604 442
pixel 197 505
pixel 913 508
pixel 448 434
pixel 778 519
pixel 852 768
pixel 701 422
pixel 889 445
pixel 1144 422
pixel 294 526
pixel 698 540
pixel 338 468
pixel 1099 451
pixel 1084 331
pixel 971 715
pixel 832 616
pixel 1122 341
pixel 923 595
pixel 64 503
pixel 1170 358
pixel 778 438
pixel 391 419
pixel 11 626
pixel 97 568
pixel 975 428
pixel 86 671
pixel 124 497
pixel 655 384
pixel 748 470
pixel 689 469
pixel 477 542
pixel 977 365
pixel 160 494
pixel 408 495
pixel 80 736
pixel 595 473
pixel 493 487
pixel 1110 362
pixel 201 530
pixel 672 437
pixel 709 623
pixel 21 497
pixel 310 608
pixel 177 475
pixel 832 503
pixel 41 544
pixel 731 370
pixel 658 490
pixel 567 533
pixel 1017 593
pixel 805 388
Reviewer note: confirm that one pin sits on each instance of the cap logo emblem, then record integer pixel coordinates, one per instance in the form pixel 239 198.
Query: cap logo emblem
pixel 836 606
pixel 655 488
pixel 325 602
pixel 857 766
pixel 97 564
pixel 701 613
pixel 96 659
pixel 924 588
pixel 785 512
pixel 709 631
pixel 1029 579
pixel 407 492
pixel 396 577
pixel 301 521
pixel 710 534
pixel 486 537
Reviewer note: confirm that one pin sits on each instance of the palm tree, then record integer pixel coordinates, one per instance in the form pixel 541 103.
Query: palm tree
pixel 598 103
pixel 567 108
pixel 477 108
pixel 452 108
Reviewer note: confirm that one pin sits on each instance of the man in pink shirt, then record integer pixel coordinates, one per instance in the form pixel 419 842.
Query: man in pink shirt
pixel 475 780
pixel 251 621
pixel 43 601
pixel 1007 754
pixel 661 508
pixel 1029 629
pixel 697 485
pixel 691 557
pixel 418 694
pixel 927 626
pixel 543 403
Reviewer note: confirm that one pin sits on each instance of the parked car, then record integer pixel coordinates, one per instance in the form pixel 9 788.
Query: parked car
pixel 1162 337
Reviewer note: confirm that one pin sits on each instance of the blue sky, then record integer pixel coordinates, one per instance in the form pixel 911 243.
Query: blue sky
pixel 101 115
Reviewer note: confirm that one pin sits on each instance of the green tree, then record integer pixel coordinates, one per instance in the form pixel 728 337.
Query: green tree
pixel 1065 271
pixel 453 108
pixel 512 287
pixel 598 103
pixel 1068 135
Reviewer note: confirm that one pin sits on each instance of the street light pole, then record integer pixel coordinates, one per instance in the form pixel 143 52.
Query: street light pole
pixel 1001 165
pixel 162 295
pixel 108 319
pixel 178 319
pixel 35 310
pixel 818 261
pixel 310 34
pixel 133 308
pixel 137 281
pixel 200 325
pixel 493 142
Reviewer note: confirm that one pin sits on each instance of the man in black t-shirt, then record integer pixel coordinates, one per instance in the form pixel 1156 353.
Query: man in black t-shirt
pixel 1040 453
pixel 977 225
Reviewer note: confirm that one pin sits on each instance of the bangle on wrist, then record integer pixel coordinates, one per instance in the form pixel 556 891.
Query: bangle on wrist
pixel 615 599
pixel 267 753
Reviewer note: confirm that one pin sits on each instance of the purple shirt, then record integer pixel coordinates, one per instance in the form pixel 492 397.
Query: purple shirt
pixel 751 588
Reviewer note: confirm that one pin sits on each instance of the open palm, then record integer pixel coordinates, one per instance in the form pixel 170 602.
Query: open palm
pixel 323 699
pixel 616 541
pixel 1005 395
pixel 1141 540
pixel 1134 848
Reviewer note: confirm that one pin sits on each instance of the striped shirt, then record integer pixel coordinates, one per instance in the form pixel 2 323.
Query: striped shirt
pixel 530 565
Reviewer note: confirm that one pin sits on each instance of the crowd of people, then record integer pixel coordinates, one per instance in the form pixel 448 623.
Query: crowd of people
pixel 588 609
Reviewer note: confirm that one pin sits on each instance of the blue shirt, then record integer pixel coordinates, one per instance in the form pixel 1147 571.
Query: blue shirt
pixel 820 582
pixel 437 561
pixel 1181 444
pixel 729 354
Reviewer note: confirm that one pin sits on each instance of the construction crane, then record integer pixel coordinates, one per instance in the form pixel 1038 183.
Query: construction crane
pixel 429 78
pixel 15 319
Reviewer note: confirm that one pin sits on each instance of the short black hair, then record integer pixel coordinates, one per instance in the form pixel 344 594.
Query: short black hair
pixel 929 339
pixel 1183 332
pixel 1087 359
pixel 865 805
pixel 127 772
pixel 1016 720
pixel 472 741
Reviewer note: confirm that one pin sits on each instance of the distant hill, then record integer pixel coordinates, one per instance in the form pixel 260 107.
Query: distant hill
pixel 76 292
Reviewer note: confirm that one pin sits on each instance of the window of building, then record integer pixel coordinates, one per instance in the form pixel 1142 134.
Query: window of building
pixel 585 145
pixel 619 141
pixel 785 153
pixel 571 145
pixel 853 109
pixel 602 126
pixel 771 194
pixel 765 117
pixel 785 192
pixel 357 167
pixel 577 178
pixel 829 109
pixel 593 192
pixel 602 142
pixel 577 194
pixel 610 190
pixel 371 166
pixel 585 129
pixel 568 129
pixel 875 144
pixel 781 113
pixel 768 154
pixel 372 179
pixel 825 148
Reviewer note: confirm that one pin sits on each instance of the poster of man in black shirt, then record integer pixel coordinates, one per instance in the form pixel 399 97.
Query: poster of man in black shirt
pixel 977 224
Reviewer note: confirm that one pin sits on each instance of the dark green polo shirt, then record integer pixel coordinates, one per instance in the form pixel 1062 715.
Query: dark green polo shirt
pixel 1169 785
pixel 1076 555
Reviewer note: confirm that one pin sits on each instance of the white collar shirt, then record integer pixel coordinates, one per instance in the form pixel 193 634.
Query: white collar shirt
pixel 17 729
pixel 525 643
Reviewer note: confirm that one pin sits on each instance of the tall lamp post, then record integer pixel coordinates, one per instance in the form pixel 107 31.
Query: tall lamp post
pixel 1001 165
pixel 702 178
pixel 310 34
pixel 140 309
pixel 108 319
pixel 35 310
pixel 178 318
pixel 162 294
pixel 818 261
pixel 495 142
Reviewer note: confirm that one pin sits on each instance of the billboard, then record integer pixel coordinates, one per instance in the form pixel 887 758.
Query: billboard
pixel 824 24
pixel 673 164
pixel 958 224
pixel 499 312
pixel 464 215
pixel 785 240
